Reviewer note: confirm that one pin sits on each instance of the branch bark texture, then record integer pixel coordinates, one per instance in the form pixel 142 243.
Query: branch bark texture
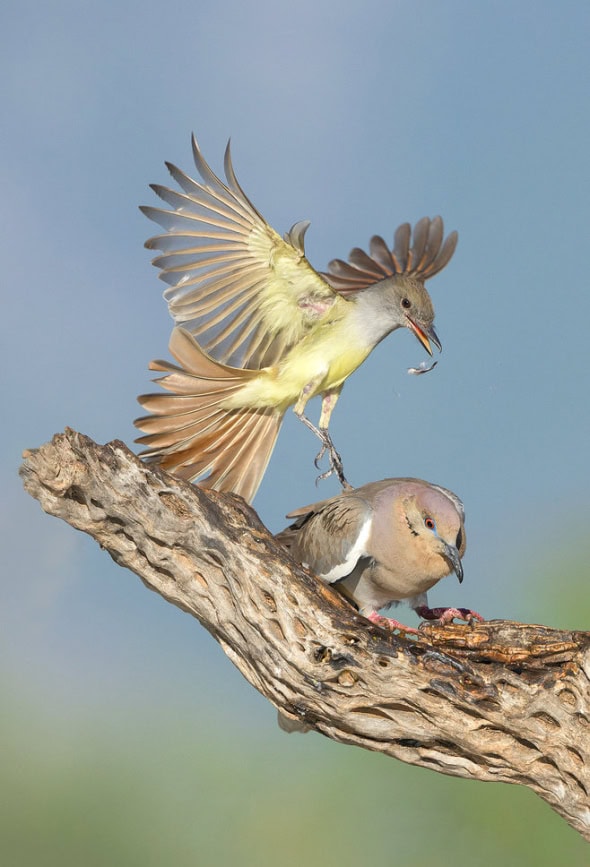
pixel 498 701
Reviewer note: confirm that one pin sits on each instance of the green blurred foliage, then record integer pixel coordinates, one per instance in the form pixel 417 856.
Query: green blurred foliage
pixel 182 795
pixel 561 581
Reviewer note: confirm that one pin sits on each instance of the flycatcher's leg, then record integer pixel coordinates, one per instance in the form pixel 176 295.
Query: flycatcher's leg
pixel 329 399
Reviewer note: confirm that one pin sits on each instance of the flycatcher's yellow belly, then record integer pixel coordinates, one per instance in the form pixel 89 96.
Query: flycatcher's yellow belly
pixel 322 360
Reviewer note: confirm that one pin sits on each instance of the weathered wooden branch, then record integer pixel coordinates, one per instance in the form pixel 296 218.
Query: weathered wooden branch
pixel 495 701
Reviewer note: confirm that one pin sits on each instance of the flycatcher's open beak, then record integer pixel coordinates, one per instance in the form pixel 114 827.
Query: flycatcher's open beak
pixel 425 336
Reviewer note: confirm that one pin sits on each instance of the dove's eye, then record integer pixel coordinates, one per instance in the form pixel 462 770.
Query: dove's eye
pixel 429 523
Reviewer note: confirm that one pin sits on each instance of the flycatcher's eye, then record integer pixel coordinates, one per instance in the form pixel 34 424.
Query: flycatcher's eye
pixel 406 303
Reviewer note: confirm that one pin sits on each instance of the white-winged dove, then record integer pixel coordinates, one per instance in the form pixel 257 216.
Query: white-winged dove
pixel 272 331
pixel 383 543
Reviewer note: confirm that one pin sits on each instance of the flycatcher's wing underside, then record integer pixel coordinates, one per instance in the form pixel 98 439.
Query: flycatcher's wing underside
pixel 244 292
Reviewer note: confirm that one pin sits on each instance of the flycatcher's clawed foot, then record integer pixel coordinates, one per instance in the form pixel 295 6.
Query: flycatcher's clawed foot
pixel 327 446
pixel 335 459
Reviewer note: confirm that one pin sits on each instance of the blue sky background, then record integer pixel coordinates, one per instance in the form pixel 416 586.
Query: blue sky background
pixel 357 117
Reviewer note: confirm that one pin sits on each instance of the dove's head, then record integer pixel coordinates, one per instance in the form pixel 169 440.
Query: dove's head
pixel 434 525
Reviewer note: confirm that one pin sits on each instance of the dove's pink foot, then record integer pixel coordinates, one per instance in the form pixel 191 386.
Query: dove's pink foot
pixel 446 615
pixel 388 623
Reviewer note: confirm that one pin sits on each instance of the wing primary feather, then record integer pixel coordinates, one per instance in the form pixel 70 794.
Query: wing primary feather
pixel 401 246
pixel 177 262
pixel 444 255
pixel 435 237
pixel 167 241
pixel 365 263
pixel 206 199
pixel 174 221
pixel 235 184
pixel 195 190
pixel 419 241
pixel 381 253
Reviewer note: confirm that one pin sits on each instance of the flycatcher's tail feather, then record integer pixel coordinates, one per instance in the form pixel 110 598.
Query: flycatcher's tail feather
pixel 192 435
pixel 242 470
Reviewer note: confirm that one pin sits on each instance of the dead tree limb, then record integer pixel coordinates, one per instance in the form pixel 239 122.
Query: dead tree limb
pixel 496 701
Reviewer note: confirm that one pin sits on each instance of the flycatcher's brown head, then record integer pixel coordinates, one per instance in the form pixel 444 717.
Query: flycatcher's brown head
pixel 415 258
pixel 416 311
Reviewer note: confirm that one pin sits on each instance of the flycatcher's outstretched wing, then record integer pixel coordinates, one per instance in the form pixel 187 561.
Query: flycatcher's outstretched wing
pixel 244 292
pixel 420 254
